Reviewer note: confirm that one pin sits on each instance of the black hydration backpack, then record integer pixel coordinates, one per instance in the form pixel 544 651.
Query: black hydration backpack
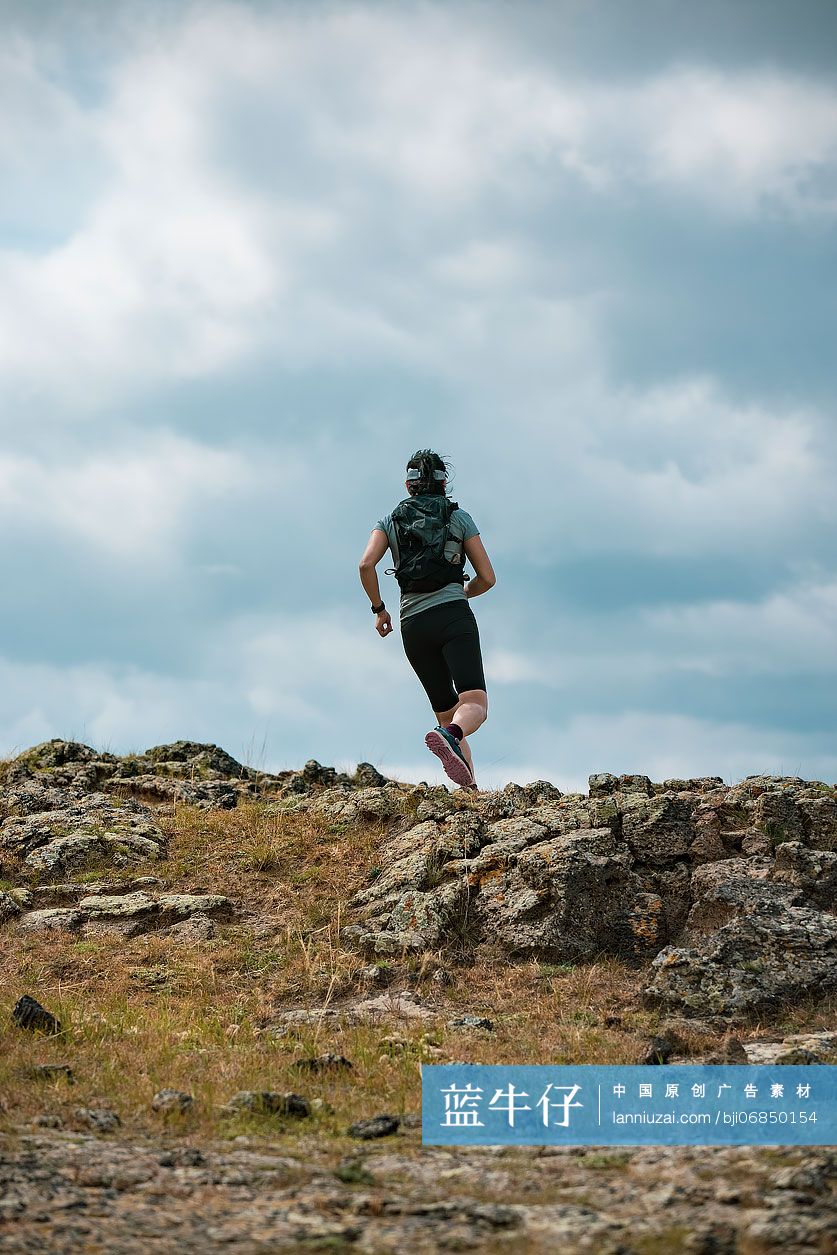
pixel 422 529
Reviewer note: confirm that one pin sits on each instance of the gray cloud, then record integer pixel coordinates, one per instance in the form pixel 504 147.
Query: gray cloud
pixel 251 285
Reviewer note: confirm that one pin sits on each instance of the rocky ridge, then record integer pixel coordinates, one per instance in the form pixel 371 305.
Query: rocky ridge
pixel 64 805
pixel 727 895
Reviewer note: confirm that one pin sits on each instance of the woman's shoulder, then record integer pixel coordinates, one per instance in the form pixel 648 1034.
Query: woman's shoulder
pixel 461 519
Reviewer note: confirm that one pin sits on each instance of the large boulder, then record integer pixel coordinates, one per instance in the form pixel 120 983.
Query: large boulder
pixel 731 888
pixel 62 764
pixel 125 910
pixel 814 871
pixel 344 804
pixel 190 772
pixel 195 758
pixel 9 908
pixel 515 883
pixel 87 828
pixel 187 771
pixel 657 830
pixel 819 820
pixel 565 898
pixel 762 960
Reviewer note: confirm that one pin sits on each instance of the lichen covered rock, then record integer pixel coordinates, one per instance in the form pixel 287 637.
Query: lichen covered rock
pixel 87 828
pixel 763 959
pixel 691 874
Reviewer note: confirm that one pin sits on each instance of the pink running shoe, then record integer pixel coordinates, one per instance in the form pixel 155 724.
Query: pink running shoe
pixel 446 747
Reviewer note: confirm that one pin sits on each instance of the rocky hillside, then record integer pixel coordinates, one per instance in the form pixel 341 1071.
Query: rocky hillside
pixel 230 972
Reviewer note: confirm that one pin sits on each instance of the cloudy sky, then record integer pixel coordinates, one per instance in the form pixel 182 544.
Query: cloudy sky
pixel 253 255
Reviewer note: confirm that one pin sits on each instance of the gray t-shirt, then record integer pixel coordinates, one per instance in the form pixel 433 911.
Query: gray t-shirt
pixel 462 527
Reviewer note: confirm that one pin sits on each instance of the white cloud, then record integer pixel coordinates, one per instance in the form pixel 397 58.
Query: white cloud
pixel 307 656
pixel 179 268
pixel 789 631
pixel 43 129
pixel 125 502
pixel 744 141
pixel 173 269
pixel 444 108
pixel 677 469
pixel 486 264
pixel 118 709
pixel 505 666
pixel 663 650
pixel 667 746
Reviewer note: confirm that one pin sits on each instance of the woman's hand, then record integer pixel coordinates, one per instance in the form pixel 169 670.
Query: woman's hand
pixel 383 623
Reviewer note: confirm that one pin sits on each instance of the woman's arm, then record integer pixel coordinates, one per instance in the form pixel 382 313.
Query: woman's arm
pixel 480 561
pixel 372 554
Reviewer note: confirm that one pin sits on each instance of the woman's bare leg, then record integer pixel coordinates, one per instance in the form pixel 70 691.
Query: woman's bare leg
pixel 469 714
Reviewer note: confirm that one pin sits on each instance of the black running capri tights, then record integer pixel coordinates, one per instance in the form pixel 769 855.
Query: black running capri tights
pixel 442 645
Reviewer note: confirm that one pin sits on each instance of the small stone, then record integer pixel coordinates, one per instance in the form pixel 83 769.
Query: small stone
pixel 636 784
pixel 322 1063
pixel 304 1015
pixel 197 928
pixel 659 1050
pixel 677 1025
pixel 9 907
pixel 314 773
pixel 602 784
pixel 119 905
pixel 368 777
pixel 378 1126
pixel 52 919
pixel 46 1121
pixel 51 1072
pixel 28 1013
pixel 404 1005
pixel 472 1021
pixel 394 1044
pixel 182 1157
pixel 375 974
pixel 798 1055
pixel 182 906
pixel 268 1102
pixel 171 1100
pixel 811 1047
pixel 100 1120
pixel 353 1172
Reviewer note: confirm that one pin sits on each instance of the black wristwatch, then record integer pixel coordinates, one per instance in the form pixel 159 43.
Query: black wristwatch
pixel 378 609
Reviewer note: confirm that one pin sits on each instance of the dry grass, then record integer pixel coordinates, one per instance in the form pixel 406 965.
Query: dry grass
pixel 148 1012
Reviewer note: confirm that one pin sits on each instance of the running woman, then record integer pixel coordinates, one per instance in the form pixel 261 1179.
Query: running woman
pixel 429 538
